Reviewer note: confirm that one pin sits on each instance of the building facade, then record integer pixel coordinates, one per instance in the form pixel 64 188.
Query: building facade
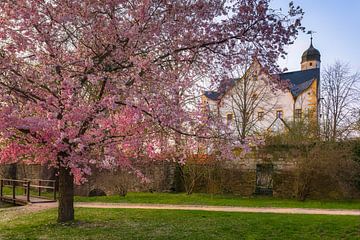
pixel 253 104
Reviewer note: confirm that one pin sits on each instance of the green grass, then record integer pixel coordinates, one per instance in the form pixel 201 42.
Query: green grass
pixel 165 224
pixel 221 200
pixel 207 199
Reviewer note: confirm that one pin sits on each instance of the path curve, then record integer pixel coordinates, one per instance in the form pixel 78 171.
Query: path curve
pixel 219 208
pixel 10 213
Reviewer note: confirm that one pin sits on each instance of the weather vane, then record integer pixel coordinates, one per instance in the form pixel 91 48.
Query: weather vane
pixel 311 33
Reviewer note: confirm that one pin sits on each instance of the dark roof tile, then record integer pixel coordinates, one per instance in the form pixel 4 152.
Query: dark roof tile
pixel 212 95
pixel 296 90
pixel 300 81
pixel 299 77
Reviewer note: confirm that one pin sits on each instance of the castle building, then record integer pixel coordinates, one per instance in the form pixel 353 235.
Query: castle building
pixel 252 104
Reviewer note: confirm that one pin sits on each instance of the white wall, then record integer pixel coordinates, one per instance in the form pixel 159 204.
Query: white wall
pixel 276 100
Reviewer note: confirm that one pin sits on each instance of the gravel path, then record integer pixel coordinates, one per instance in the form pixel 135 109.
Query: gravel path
pixel 222 208
pixel 15 212
pixel 10 213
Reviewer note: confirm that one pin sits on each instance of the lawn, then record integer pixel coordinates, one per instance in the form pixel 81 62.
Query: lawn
pixel 221 200
pixel 207 199
pixel 170 224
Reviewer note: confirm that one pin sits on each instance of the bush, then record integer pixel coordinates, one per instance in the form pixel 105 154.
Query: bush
pixel 327 169
pixel 202 173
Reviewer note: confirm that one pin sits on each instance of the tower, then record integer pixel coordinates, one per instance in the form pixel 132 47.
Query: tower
pixel 310 58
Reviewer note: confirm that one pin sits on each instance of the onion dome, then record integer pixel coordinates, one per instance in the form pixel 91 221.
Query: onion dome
pixel 311 54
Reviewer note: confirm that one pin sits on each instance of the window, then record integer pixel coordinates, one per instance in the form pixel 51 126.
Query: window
pixel 260 116
pixel 310 64
pixel 298 113
pixel 229 118
pixel 279 114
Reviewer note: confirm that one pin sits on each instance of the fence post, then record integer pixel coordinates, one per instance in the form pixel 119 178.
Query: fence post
pixel 54 185
pixel 14 190
pixel 28 191
pixel 39 181
pixel 1 187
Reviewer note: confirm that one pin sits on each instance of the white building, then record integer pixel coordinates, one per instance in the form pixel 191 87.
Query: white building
pixel 253 99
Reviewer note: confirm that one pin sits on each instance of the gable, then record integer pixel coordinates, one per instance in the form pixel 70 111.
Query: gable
pixel 299 82
pixel 228 83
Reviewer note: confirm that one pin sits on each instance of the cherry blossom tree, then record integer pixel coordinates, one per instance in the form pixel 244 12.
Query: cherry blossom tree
pixel 90 84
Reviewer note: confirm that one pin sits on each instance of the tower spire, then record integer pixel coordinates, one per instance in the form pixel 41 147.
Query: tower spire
pixel 311 57
pixel 311 36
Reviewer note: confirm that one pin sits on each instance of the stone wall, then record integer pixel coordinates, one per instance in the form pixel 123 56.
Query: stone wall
pixel 284 184
pixel 240 182
pixel 4 171
pixel 239 177
pixel 19 171
pixel 236 177
pixel 160 177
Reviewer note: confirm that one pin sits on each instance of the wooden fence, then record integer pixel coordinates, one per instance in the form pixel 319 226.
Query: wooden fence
pixel 28 191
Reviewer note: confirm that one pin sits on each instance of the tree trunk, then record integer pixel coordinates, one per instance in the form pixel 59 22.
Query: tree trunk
pixel 66 195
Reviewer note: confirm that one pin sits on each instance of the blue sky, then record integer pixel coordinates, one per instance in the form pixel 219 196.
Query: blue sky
pixel 337 23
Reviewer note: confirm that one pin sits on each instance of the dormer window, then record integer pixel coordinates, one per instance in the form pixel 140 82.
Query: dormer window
pixel 260 116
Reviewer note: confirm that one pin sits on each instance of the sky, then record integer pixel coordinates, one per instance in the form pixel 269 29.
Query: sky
pixel 337 27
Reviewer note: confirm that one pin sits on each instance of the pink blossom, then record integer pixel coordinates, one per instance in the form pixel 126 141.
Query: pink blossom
pixel 101 84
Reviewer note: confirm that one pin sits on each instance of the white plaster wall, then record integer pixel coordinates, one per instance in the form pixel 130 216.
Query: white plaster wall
pixel 276 100
pixel 307 100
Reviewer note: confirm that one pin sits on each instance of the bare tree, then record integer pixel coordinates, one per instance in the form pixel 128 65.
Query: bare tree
pixel 339 97
pixel 251 99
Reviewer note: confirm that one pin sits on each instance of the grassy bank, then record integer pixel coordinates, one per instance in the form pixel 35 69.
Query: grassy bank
pixel 221 200
pixel 164 224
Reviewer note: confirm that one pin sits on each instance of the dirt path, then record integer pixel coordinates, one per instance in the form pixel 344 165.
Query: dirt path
pixel 222 208
pixel 15 212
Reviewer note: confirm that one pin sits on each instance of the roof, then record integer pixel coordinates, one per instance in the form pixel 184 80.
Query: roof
pixel 224 86
pixel 300 80
pixel 310 54
pixel 302 76
pixel 212 95
pixel 277 124
pixel 296 90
